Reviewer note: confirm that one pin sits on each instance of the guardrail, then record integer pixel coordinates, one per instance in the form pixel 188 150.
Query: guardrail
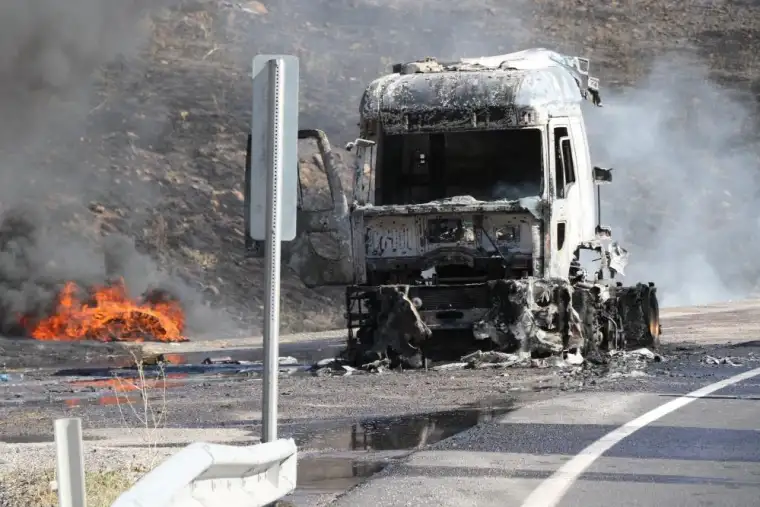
pixel 200 475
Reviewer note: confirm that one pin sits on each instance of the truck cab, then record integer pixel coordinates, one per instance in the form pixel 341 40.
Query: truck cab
pixel 503 135
pixel 473 195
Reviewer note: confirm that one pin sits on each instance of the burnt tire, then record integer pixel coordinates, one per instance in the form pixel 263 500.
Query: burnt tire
pixel 652 315
pixel 639 315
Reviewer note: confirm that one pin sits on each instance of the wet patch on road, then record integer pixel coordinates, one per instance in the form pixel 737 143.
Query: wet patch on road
pixel 335 456
pixel 339 458
pixel 407 432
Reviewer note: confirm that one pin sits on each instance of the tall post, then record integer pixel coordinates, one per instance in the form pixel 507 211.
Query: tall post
pixel 271 199
pixel 69 463
pixel 274 207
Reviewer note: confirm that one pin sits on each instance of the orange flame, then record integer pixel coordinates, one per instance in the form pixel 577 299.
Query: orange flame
pixel 110 316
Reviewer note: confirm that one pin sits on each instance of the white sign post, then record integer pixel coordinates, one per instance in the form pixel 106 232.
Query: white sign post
pixel 273 207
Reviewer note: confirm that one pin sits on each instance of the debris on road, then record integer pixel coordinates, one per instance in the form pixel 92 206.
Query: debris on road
pixel 644 353
pixel 711 360
pixel 495 359
pixel 377 366
pixel 332 366
pixel 209 366
pixel 449 366
pixel 283 361
pixel 573 367
pixel 11 377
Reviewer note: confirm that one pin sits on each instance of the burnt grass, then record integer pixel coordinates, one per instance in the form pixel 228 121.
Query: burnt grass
pixel 165 133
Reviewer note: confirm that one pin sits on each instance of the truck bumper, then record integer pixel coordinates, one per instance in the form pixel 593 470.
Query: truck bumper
pixel 440 306
pixel 533 315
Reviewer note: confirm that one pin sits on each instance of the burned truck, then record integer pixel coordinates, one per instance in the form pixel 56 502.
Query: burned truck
pixel 474 202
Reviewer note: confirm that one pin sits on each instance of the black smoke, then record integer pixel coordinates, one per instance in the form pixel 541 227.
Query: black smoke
pixel 49 51
pixel 50 55
pixel 36 263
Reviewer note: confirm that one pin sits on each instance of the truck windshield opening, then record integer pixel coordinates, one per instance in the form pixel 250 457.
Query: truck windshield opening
pixel 487 165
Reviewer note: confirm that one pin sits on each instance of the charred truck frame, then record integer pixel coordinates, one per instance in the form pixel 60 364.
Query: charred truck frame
pixel 473 198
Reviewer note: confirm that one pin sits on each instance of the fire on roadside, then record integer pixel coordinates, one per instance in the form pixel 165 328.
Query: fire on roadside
pixel 109 314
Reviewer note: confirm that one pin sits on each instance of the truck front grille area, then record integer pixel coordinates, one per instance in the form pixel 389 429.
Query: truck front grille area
pixel 361 300
pixel 446 297
pixel 413 236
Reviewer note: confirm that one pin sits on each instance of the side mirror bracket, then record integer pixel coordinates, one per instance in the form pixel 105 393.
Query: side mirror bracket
pixel 602 175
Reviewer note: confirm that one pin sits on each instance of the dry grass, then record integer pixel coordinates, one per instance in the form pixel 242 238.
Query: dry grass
pixel 36 489
pixel 146 415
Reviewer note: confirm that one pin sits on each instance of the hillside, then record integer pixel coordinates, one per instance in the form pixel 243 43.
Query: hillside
pixel 160 153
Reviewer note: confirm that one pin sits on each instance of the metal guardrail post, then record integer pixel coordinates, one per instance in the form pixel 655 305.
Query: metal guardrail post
pixel 70 463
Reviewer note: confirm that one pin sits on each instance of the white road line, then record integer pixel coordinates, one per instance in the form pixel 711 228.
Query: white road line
pixel 550 491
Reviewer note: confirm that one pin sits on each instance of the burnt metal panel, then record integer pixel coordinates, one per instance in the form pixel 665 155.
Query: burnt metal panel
pixel 471 99
pixel 448 297
pixel 458 205
pixel 402 237
pixel 359 252
pixel 392 237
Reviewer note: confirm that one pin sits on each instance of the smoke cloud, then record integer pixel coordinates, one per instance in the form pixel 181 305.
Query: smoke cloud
pixel 682 201
pixel 344 44
pixel 49 53
pixel 684 195
pixel 684 188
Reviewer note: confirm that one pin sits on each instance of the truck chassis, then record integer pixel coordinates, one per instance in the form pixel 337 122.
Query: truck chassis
pixel 531 315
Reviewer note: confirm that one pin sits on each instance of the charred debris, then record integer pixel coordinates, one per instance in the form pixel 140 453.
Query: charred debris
pixel 528 319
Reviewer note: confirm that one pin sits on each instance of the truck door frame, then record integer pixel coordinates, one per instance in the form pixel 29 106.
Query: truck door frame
pixel 565 199
pixel 314 269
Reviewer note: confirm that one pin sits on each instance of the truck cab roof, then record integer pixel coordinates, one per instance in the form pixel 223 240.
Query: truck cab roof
pixel 492 92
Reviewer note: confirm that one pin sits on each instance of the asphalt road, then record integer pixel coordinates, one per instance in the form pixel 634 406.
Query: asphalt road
pixel 594 448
